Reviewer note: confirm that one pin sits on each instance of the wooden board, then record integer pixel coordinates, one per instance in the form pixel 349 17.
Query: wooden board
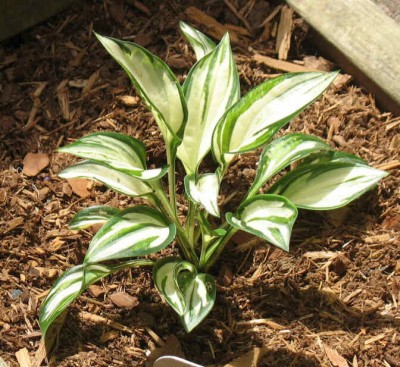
pixel 362 39
pixel 18 15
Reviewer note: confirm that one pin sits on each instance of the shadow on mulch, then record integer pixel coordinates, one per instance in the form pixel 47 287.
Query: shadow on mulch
pixel 283 357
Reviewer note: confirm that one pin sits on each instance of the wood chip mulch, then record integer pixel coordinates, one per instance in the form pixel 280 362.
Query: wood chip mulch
pixel 332 301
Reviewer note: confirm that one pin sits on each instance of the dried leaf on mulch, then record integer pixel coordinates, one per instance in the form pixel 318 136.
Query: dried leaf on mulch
pixel 123 300
pixel 338 285
pixel 35 163
pixel 335 358
pixel 80 186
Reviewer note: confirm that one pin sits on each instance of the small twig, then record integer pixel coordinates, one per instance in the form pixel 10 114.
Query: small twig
pixel 102 320
pixel 271 15
pixel 90 300
pixel 117 326
pixel 389 165
pixel 238 15
pixel 393 124
pixel 32 120
pixel 246 10
pixel 243 262
pixel 155 337
pixel 68 124
pixel 280 64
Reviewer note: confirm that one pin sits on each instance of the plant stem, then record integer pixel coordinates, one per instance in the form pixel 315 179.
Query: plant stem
pixel 171 152
pixel 252 191
pixel 190 223
pixel 215 255
pixel 162 201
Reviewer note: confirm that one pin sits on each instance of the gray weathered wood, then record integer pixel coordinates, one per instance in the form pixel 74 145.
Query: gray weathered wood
pixel 18 15
pixel 362 39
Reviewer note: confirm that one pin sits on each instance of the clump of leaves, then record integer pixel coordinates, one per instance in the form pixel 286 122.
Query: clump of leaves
pixel 205 114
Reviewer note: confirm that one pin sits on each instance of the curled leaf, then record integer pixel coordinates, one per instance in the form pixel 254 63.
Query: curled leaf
pixel 270 217
pixel 190 294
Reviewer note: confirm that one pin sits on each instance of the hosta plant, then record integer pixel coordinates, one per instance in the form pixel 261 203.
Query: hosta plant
pixel 205 114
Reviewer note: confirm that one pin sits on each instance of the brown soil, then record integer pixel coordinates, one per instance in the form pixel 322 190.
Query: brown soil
pixel 332 301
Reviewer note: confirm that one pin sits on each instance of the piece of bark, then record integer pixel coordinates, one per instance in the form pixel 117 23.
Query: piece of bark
pixel 318 63
pixel 214 28
pixel 23 358
pixel 96 290
pixel 34 163
pixel 335 358
pixel 284 34
pixel 280 64
pixel 129 101
pixel 80 186
pixel 13 223
pixel 123 300
pixel 63 100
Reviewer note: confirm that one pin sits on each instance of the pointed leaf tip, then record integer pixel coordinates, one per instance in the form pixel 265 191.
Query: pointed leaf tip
pixel 211 88
pixel 325 186
pixel 154 82
pixel 201 44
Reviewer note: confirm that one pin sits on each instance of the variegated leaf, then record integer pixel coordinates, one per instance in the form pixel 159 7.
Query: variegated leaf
pixel 332 156
pixel 252 121
pixel 190 294
pixel 118 151
pixel 281 153
pixel 200 43
pixel 71 284
pixel 154 82
pixel 136 231
pixel 66 289
pixel 204 191
pixel 92 215
pixel 164 275
pixel 270 217
pixel 211 88
pixel 116 180
pixel 200 291
pixel 324 186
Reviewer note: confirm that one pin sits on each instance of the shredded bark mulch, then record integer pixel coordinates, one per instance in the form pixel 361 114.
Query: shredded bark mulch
pixel 332 301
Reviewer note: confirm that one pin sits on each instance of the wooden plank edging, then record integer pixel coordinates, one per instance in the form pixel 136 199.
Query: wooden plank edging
pixel 18 15
pixel 362 39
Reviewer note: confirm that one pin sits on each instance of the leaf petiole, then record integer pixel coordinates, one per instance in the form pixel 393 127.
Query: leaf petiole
pixel 162 202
